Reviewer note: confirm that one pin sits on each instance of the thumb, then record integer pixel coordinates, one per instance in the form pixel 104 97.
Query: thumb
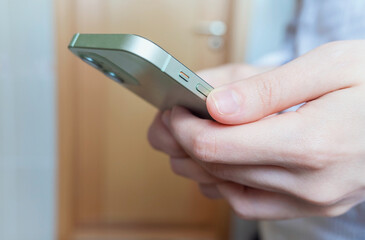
pixel 301 80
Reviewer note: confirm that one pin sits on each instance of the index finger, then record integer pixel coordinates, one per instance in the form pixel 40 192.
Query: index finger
pixel 277 140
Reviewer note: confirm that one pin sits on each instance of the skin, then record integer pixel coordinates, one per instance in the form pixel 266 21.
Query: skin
pixel 305 163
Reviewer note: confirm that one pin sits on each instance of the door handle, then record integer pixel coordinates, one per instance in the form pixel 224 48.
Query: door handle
pixel 215 30
pixel 212 28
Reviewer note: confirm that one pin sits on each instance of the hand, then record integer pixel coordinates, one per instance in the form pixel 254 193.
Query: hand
pixel 298 164
pixel 181 163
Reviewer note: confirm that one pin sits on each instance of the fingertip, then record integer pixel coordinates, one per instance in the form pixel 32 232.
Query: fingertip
pixel 210 191
pixel 213 111
pixel 225 106
pixel 179 112
pixel 180 119
pixel 227 188
pixel 165 117
pixel 153 126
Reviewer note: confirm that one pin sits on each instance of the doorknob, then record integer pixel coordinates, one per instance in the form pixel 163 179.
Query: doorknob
pixel 212 28
pixel 216 30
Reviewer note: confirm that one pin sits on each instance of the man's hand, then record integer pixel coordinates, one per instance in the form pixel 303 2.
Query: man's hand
pixel 298 164
pixel 161 138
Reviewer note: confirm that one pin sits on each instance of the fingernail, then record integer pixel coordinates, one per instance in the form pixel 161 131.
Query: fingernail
pixel 166 118
pixel 227 101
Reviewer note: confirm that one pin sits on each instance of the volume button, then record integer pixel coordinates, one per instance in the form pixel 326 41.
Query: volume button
pixel 184 76
pixel 203 90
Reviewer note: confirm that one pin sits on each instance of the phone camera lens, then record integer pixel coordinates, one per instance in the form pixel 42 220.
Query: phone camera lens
pixel 114 76
pixel 89 59
pixel 91 62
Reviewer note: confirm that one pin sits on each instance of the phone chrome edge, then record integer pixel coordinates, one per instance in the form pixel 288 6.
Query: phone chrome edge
pixel 74 39
pixel 134 44
pixel 143 48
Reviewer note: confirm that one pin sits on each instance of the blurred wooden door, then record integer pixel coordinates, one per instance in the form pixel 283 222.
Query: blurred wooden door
pixel 112 184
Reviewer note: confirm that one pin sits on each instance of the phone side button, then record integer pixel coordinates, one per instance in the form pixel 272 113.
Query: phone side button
pixel 184 76
pixel 202 90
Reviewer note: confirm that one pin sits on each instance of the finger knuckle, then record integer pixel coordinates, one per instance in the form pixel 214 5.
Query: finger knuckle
pixel 176 168
pixel 244 208
pixel 216 170
pixel 265 92
pixel 322 145
pixel 312 161
pixel 338 54
pixel 330 46
pixel 207 192
pixel 322 196
pixel 314 153
pixel 204 146
pixel 244 213
pixel 334 211
pixel 335 49
pixel 320 200
pixel 151 136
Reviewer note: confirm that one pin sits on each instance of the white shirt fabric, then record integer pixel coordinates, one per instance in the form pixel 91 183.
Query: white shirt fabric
pixel 319 22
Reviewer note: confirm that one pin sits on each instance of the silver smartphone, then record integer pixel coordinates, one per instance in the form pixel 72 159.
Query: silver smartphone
pixel 145 69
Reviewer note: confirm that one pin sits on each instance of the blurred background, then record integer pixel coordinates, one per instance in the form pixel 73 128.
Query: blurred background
pixel 75 163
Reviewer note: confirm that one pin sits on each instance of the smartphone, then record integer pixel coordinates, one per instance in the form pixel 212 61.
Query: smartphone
pixel 144 68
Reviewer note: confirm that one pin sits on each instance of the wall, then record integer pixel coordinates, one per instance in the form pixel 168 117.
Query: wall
pixel 27 120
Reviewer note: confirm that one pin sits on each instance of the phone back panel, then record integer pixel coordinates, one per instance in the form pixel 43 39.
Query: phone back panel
pixel 145 69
